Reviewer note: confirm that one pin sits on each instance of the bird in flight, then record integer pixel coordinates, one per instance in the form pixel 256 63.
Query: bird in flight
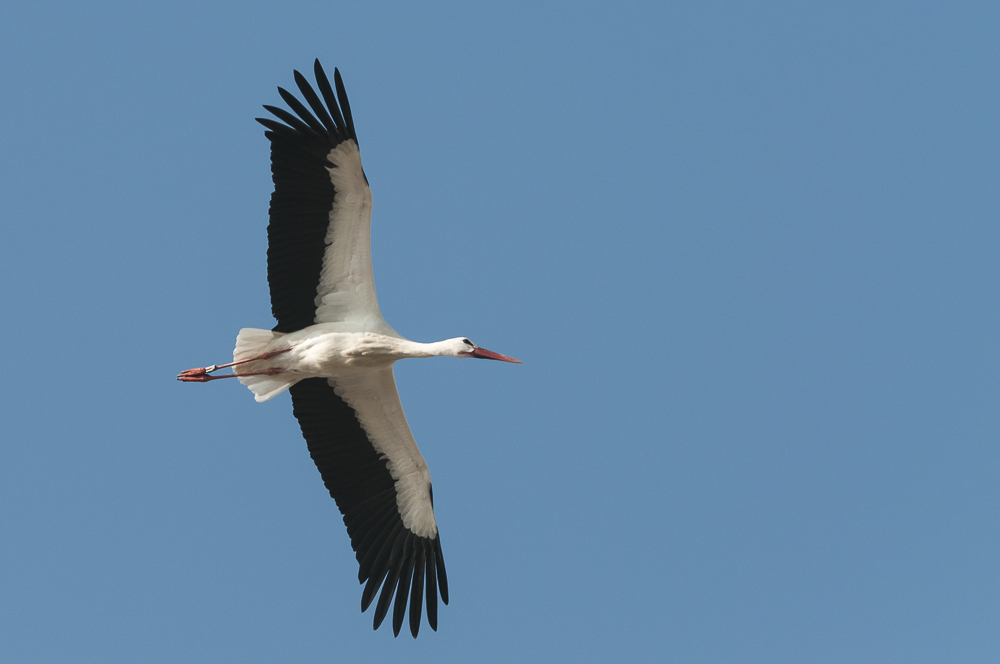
pixel 333 351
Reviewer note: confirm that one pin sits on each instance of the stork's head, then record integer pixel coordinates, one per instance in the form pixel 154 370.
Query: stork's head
pixel 462 347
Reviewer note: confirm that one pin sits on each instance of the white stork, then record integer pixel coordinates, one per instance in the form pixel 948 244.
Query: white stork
pixel 333 351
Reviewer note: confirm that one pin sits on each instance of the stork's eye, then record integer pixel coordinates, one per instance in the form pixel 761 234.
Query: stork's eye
pixel 466 341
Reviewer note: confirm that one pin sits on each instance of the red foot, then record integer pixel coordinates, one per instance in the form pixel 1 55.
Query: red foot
pixel 198 375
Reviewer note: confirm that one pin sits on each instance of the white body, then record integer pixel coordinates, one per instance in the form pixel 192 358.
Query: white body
pixel 323 351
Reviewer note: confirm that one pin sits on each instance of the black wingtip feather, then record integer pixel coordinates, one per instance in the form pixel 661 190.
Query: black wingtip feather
pixel 389 585
pixel 270 124
pixel 314 103
pixel 287 118
pixel 345 104
pixel 416 592
pixel 301 111
pixel 441 574
pixel 371 589
pixel 383 562
pixel 432 607
pixel 402 592
pixel 373 545
pixel 331 101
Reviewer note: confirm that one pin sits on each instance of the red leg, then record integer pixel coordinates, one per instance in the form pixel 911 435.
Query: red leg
pixel 263 356
pixel 200 374
pixel 203 377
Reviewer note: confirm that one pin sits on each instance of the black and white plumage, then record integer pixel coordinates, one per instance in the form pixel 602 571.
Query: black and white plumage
pixel 333 351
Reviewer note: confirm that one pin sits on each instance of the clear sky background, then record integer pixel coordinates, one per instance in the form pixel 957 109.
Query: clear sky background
pixel 748 253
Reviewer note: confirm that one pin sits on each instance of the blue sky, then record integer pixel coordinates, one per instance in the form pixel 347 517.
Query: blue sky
pixel 748 254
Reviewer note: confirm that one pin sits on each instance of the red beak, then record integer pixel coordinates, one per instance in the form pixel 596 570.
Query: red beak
pixel 490 355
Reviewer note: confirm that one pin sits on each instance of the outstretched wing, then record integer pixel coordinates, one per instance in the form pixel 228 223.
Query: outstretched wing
pixel 362 445
pixel 319 264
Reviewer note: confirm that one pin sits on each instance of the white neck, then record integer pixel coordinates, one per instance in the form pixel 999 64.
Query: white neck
pixel 406 348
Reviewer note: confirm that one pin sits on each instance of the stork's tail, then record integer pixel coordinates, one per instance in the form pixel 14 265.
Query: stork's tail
pixel 252 342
